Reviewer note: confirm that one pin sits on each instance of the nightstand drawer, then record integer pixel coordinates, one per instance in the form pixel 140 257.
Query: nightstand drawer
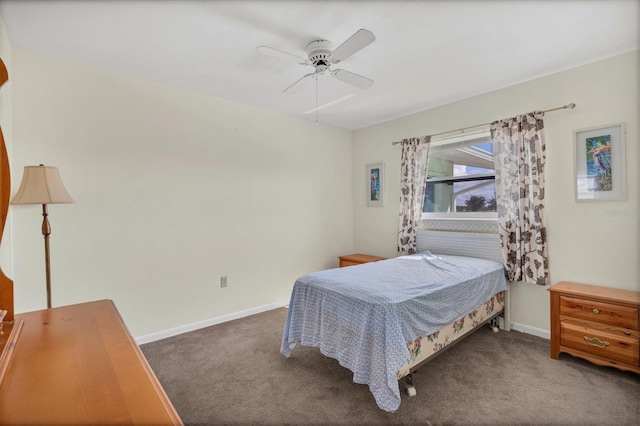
pixel 605 344
pixel 604 313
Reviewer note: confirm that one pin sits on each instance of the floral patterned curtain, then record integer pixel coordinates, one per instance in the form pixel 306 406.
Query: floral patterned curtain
pixel 519 159
pixel 413 175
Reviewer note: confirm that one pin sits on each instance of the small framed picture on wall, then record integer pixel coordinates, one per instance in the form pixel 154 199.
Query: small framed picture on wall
pixel 375 184
pixel 600 163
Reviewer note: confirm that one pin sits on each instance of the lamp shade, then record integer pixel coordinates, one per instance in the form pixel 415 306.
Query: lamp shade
pixel 41 185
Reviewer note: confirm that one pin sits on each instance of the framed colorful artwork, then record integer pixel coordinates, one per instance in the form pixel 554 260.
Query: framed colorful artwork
pixel 375 184
pixel 599 159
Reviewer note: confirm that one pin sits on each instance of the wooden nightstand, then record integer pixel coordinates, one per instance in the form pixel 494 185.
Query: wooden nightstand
pixel 598 324
pixel 358 259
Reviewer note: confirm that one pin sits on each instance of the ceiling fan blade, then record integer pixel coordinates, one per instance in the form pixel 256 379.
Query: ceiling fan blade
pixel 270 51
pixel 353 79
pixel 361 39
pixel 295 86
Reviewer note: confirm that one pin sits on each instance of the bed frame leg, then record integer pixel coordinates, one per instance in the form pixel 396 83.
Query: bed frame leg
pixel 493 324
pixel 408 385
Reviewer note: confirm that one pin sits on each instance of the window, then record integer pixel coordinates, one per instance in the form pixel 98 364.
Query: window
pixel 461 179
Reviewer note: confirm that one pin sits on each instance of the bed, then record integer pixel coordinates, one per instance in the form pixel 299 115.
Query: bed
pixel 382 320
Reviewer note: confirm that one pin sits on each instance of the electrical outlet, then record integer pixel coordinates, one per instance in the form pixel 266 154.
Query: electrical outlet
pixel 223 282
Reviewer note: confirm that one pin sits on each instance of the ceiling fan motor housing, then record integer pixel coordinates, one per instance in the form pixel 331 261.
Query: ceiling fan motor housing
pixel 319 52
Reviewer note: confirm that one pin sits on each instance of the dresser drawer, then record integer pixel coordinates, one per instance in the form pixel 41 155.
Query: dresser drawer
pixel 604 313
pixel 614 345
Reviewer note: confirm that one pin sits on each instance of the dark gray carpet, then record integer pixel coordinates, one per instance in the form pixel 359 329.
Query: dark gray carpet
pixel 233 373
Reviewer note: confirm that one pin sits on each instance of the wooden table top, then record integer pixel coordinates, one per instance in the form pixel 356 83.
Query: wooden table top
pixel 603 293
pixel 78 364
pixel 359 257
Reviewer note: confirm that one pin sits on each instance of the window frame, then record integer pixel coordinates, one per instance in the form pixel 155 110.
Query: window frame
pixel 461 216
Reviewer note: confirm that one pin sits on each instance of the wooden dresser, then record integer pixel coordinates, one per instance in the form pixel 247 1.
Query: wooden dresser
pixel 79 365
pixel 598 324
pixel 358 259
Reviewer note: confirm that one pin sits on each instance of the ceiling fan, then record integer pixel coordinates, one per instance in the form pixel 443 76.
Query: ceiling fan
pixel 321 56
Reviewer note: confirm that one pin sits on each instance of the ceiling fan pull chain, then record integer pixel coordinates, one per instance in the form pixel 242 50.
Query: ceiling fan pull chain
pixel 316 99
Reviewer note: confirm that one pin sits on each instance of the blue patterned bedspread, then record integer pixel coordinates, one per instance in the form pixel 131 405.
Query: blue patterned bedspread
pixel 364 315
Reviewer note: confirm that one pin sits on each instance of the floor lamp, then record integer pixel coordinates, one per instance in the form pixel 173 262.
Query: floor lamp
pixel 42 185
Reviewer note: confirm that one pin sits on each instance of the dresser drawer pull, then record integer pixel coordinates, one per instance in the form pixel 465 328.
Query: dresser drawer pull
pixel 596 342
pixel 595 311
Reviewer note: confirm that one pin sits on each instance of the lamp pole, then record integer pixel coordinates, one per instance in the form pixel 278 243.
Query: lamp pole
pixel 46 231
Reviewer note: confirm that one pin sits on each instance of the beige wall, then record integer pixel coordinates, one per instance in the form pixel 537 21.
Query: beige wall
pixel 174 190
pixel 586 243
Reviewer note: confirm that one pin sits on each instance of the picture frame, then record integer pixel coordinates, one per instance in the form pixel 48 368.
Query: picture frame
pixel 599 163
pixel 375 184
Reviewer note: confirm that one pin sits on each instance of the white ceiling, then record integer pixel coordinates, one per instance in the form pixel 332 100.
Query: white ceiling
pixel 426 53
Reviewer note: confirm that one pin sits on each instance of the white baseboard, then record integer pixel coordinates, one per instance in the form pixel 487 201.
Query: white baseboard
pixel 207 323
pixel 545 334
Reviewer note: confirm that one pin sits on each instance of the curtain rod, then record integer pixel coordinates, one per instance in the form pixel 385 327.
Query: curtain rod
pixel 569 106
